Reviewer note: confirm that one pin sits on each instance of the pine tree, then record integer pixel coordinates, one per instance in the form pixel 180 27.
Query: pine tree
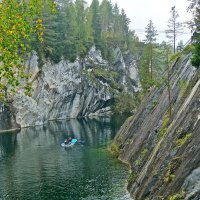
pixel 174 27
pixel 151 34
pixel 69 30
pixel 106 13
pixel 81 26
pixel 166 53
pixel 196 50
pixel 125 24
pixel 123 30
pixel 89 34
pixel 193 4
pixel 50 45
pixel 96 23
pixel 116 24
pixel 144 70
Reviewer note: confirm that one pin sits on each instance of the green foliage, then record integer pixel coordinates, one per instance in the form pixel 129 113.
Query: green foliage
pixel 147 61
pixel 196 55
pixel 145 79
pixel 179 196
pixel 132 177
pixel 19 22
pixel 28 89
pixel 196 46
pixel 169 175
pixel 175 28
pixel 142 155
pixel 114 149
pixel 183 86
pixel 96 23
pixel 151 33
pixel 159 59
pixel 110 78
pixel 188 49
pixel 164 126
pixel 175 56
pixel 71 32
pixel 183 139
pixel 125 103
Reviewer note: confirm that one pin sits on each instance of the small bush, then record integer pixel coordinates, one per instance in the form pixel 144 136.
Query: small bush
pixel 175 56
pixel 165 123
pixel 114 149
pixel 183 87
pixel 125 103
pixel 132 177
pixel 143 154
pixel 179 196
pixel 181 141
pixel 169 175
pixel 196 55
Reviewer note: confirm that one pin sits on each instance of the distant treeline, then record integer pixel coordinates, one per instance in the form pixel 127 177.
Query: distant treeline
pixel 75 27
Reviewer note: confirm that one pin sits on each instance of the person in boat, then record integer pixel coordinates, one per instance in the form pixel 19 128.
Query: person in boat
pixel 67 141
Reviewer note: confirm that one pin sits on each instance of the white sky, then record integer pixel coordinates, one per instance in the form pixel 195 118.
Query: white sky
pixel 141 11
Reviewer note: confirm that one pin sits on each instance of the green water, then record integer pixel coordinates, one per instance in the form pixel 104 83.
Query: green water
pixel 33 165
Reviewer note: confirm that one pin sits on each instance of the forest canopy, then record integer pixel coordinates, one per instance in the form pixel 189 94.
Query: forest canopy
pixel 75 27
pixel 62 29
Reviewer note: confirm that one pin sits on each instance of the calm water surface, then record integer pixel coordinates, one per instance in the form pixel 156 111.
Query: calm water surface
pixel 34 166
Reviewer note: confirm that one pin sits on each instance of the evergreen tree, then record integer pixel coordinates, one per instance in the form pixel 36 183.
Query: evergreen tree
pixel 50 47
pixel 106 13
pixel 196 49
pixel 96 23
pixel 116 24
pixel 75 28
pixel 193 4
pixel 134 44
pixel 81 26
pixel 165 56
pixel 144 72
pixel 88 28
pixel 175 27
pixel 70 30
pixel 125 21
pixel 151 34
pixel 122 29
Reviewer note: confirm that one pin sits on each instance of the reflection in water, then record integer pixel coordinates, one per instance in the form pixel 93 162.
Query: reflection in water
pixel 33 165
pixel 7 144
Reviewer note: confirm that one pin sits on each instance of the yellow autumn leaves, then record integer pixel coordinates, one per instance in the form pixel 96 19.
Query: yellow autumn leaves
pixel 19 21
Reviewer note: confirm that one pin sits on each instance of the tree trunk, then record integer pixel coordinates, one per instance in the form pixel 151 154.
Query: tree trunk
pixel 168 87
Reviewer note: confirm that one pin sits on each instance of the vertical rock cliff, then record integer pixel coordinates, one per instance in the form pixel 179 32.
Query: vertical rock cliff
pixel 163 151
pixel 82 88
pixel 7 119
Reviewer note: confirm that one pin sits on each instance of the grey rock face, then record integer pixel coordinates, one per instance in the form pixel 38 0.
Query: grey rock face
pixel 70 90
pixel 163 151
pixel 192 185
pixel 7 120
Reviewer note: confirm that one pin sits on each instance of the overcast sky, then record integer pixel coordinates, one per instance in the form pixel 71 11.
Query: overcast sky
pixel 141 11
